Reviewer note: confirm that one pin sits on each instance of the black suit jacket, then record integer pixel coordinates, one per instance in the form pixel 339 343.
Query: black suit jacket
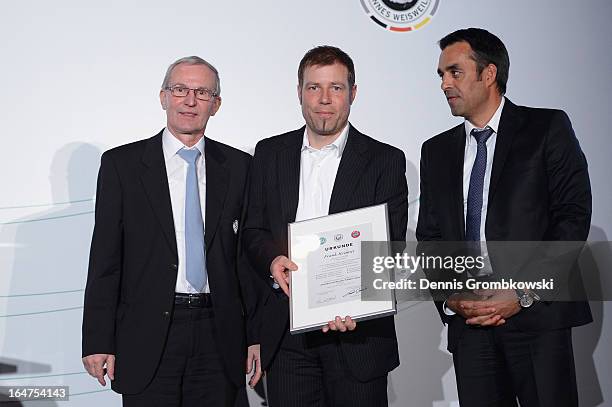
pixel 539 191
pixel 133 262
pixel 370 173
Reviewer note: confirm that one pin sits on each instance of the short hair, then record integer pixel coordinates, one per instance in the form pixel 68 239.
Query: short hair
pixel 486 49
pixel 326 55
pixel 193 60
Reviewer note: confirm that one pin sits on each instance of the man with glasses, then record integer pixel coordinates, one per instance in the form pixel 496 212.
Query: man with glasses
pixel 163 314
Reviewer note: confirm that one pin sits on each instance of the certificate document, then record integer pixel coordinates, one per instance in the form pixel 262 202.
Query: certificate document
pixel 328 282
pixel 335 270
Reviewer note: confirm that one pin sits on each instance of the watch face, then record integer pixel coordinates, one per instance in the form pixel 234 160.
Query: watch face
pixel 526 301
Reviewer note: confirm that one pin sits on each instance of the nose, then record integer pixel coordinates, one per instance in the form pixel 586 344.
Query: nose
pixel 446 83
pixel 190 99
pixel 325 96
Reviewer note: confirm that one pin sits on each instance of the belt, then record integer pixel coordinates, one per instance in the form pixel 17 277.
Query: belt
pixel 203 300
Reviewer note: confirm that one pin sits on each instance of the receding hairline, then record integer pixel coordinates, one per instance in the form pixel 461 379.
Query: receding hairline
pixel 192 60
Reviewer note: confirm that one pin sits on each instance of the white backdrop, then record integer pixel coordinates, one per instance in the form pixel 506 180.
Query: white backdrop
pixel 79 79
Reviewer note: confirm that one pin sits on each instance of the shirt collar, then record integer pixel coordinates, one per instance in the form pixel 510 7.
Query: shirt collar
pixel 493 123
pixel 338 144
pixel 171 145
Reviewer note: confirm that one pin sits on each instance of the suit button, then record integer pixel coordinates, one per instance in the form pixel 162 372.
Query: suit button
pixel 173 267
pixel 166 314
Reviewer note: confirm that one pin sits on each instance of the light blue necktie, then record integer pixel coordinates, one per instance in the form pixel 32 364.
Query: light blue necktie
pixel 195 249
pixel 474 201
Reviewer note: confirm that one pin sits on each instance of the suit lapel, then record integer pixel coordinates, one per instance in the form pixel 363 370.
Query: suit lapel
pixel 217 178
pixel 354 159
pixel 456 176
pixel 155 181
pixel 509 123
pixel 288 170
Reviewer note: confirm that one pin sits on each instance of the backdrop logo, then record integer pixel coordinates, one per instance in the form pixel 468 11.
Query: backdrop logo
pixel 400 15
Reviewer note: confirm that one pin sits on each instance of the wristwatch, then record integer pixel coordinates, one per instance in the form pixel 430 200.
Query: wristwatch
pixel 527 298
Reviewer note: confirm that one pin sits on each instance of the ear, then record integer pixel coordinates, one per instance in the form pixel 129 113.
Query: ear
pixel 162 99
pixel 299 92
pixel 353 93
pixel 490 74
pixel 214 108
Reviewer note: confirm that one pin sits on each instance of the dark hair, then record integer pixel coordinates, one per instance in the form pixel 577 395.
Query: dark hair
pixel 486 49
pixel 327 55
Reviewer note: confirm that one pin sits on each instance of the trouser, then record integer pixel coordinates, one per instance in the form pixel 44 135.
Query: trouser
pixel 310 370
pixel 496 365
pixel 191 372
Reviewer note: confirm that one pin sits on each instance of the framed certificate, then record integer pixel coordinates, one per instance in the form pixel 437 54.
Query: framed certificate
pixel 328 282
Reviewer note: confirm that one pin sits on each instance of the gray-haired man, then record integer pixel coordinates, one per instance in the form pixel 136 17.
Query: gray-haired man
pixel 163 315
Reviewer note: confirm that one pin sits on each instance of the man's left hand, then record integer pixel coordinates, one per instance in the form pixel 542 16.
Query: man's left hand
pixel 505 303
pixel 254 359
pixel 339 325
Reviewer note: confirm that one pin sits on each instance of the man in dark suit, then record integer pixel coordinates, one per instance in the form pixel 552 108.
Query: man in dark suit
pixel 508 173
pixel 164 314
pixel 323 168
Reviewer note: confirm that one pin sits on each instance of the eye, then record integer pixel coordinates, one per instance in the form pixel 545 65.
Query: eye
pixel 455 73
pixel 180 89
pixel 337 88
pixel 312 87
pixel 201 91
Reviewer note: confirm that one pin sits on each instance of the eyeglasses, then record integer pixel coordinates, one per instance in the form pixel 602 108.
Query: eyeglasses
pixel 180 91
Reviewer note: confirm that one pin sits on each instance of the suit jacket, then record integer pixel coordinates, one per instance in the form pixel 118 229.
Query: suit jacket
pixel 369 173
pixel 129 297
pixel 539 191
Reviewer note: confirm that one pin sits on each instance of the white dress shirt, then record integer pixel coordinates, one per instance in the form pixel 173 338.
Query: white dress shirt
pixel 318 169
pixel 469 158
pixel 468 162
pixel 176 169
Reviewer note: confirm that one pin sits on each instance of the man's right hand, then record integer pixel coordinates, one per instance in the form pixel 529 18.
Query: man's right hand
pixel 94 364
pixel 476 308
pixel 279 269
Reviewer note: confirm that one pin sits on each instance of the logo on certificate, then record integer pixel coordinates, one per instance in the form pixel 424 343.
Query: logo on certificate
pixel 400 15
pixel 338 237
pixel 355 234
pixel 322 241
